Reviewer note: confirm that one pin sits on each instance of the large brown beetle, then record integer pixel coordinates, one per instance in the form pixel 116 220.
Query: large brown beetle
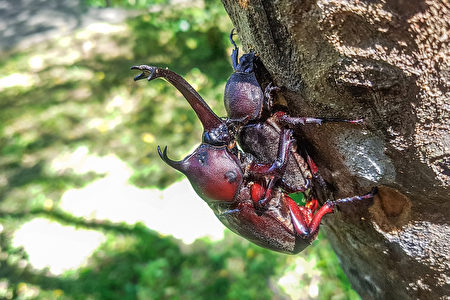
pixel 248 190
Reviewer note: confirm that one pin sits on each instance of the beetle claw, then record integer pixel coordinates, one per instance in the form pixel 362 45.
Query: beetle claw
pixel 150 77
pixel 147 72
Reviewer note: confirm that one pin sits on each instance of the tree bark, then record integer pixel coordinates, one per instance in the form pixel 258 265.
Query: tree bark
pixel 387 61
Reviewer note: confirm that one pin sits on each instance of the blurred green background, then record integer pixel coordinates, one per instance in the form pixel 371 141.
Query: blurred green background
pixel 87 208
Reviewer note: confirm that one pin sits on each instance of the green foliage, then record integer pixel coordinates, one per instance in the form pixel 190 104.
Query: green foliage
pixel 76 94
pixel 299 198
pixel 125 3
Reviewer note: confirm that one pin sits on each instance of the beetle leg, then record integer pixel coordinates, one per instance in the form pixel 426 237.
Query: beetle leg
pixel 329 206
pixel 257 191
pixel 268 93
pixel 308 228
pixel 283 118
pixel 277 167
pixel 312 204
pixel 274 171
pixel 288 189
pixel 317 178
pixel 298 217
pixel 229 212
pixel 313 226
pixel 312 165
pixel 369 195
pixel 262 203
pixel 235 52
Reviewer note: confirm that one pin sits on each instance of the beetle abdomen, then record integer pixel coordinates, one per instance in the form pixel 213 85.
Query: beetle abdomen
pixel 243 96
pixel 272 230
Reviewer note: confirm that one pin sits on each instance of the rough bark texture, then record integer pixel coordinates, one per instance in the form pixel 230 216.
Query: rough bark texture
pixel 389 62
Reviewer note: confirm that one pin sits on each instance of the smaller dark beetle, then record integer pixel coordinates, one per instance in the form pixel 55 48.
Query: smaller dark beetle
pixel 248 191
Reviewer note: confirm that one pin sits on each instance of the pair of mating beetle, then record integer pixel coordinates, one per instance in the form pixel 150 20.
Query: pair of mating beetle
pixel 249 191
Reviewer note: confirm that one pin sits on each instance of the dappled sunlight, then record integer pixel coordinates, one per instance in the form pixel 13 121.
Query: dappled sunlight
pixel 83 191
pixel 16 80
pixel 79 161
pixel 301 278
pixel 36 63
pixel 58 247
pixel 103 28
pixel 176 211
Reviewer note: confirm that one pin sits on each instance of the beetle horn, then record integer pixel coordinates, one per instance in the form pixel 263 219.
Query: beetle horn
pixel 208 118
pixel 178 165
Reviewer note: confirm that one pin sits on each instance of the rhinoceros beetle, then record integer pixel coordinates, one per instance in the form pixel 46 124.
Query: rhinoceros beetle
pixel 249 190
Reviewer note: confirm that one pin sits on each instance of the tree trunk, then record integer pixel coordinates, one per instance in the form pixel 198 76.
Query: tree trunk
pixel 387 62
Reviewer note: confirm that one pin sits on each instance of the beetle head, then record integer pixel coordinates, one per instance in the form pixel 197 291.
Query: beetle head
pixel 246 63
pixel 214 172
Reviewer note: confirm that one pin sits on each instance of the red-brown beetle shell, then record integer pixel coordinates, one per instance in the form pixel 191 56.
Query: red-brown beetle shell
pixel 243 96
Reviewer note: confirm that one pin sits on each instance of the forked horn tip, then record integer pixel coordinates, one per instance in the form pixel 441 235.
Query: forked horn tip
pixel 159 151
pixel 147 72
pixel 174 164
pixel 162 154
